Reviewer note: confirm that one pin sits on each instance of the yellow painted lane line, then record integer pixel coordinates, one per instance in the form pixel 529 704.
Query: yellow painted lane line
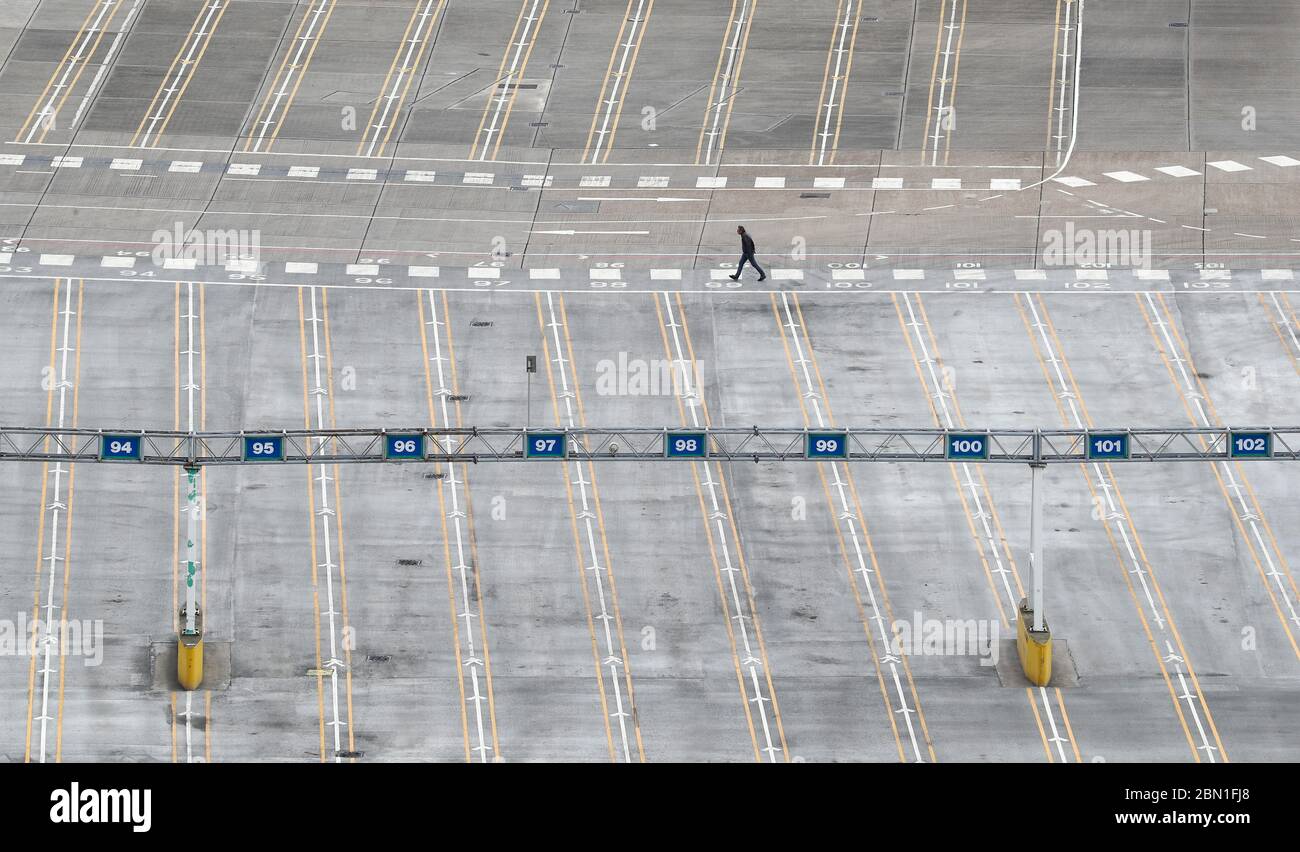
pixel 976 499
pixel 614 85
pixel 835 84
pixel 851 525
pixel 44 113
pixel 473 657
pixel 726 83
pixel 288 78
pixel 179 74
pixel 1126 543
pixel 723 538
pixel 514 63
pixel 593 557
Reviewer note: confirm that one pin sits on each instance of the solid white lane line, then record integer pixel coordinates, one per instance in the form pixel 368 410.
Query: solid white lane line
pixel 57 510
pixel 611 106
pixel 506 83
pixel 48 112
pixel 326 516
pixel 1192 394
pixel 1116 519
pixel 306 41
pixel 617 666
pixel 848 518
pixel 832 105
pixel 414 44
pixel 469 603
pixel 725 83
pixel 183 72
pixel 744 613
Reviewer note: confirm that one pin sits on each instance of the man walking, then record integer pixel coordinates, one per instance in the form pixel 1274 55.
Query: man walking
pixel 747 254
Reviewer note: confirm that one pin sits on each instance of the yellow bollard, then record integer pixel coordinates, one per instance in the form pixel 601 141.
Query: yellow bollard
pixel 189 655
pixel 1034 647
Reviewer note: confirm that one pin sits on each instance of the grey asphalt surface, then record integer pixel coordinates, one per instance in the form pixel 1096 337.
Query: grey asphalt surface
pixel 432 201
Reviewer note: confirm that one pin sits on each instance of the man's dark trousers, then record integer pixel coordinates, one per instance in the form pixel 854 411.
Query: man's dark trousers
pixel 747 254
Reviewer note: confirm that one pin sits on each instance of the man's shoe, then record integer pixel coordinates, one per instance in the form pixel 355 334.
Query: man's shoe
pixel 762 278
pixel 736 277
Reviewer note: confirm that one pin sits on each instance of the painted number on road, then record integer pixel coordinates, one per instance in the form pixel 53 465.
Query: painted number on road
pixel 263 448
pixel 1250 445
pixel 544 445
pixel 404 446
pixel 967 446
pixel 1108 445
pixel 119 448
pixel 686 445
pixel 827 445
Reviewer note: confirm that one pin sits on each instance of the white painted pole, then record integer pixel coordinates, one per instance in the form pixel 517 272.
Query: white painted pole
pixel 1036 540
pixel 191 538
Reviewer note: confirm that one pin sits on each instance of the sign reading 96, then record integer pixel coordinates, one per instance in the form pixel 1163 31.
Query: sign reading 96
pixel 404 446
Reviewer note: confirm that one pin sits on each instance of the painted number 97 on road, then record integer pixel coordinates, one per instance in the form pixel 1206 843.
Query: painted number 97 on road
pixel 973 447
pixel 544 445
pixel 686 445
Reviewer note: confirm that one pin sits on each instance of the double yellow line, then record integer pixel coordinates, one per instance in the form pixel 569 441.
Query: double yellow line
pixel 401 73
pixel 279 97
pixel 943 78
pixel 850 518
pixel 43 114
pixel 179 74
pixel 53 509
pixel 601 569
pixel 1192 391
pixel 727 539
pixel 726 83
pixel 470 601
pixel 192 312
pixel 613 89
pixel 332 547
pixel 990 539
pixel 1187 699
pixel 835 84
pixel 519 49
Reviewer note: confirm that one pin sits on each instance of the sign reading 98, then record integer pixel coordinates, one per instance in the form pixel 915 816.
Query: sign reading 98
pixel 686 445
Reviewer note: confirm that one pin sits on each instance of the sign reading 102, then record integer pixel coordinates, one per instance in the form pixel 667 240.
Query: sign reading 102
pixel 1250 445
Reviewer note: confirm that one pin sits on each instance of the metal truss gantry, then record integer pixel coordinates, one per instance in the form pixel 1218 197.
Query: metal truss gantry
pixel 756 444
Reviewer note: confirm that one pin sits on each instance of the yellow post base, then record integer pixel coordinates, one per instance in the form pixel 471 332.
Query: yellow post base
pixel 1034 647
pixel 189 663
pixel 189 653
